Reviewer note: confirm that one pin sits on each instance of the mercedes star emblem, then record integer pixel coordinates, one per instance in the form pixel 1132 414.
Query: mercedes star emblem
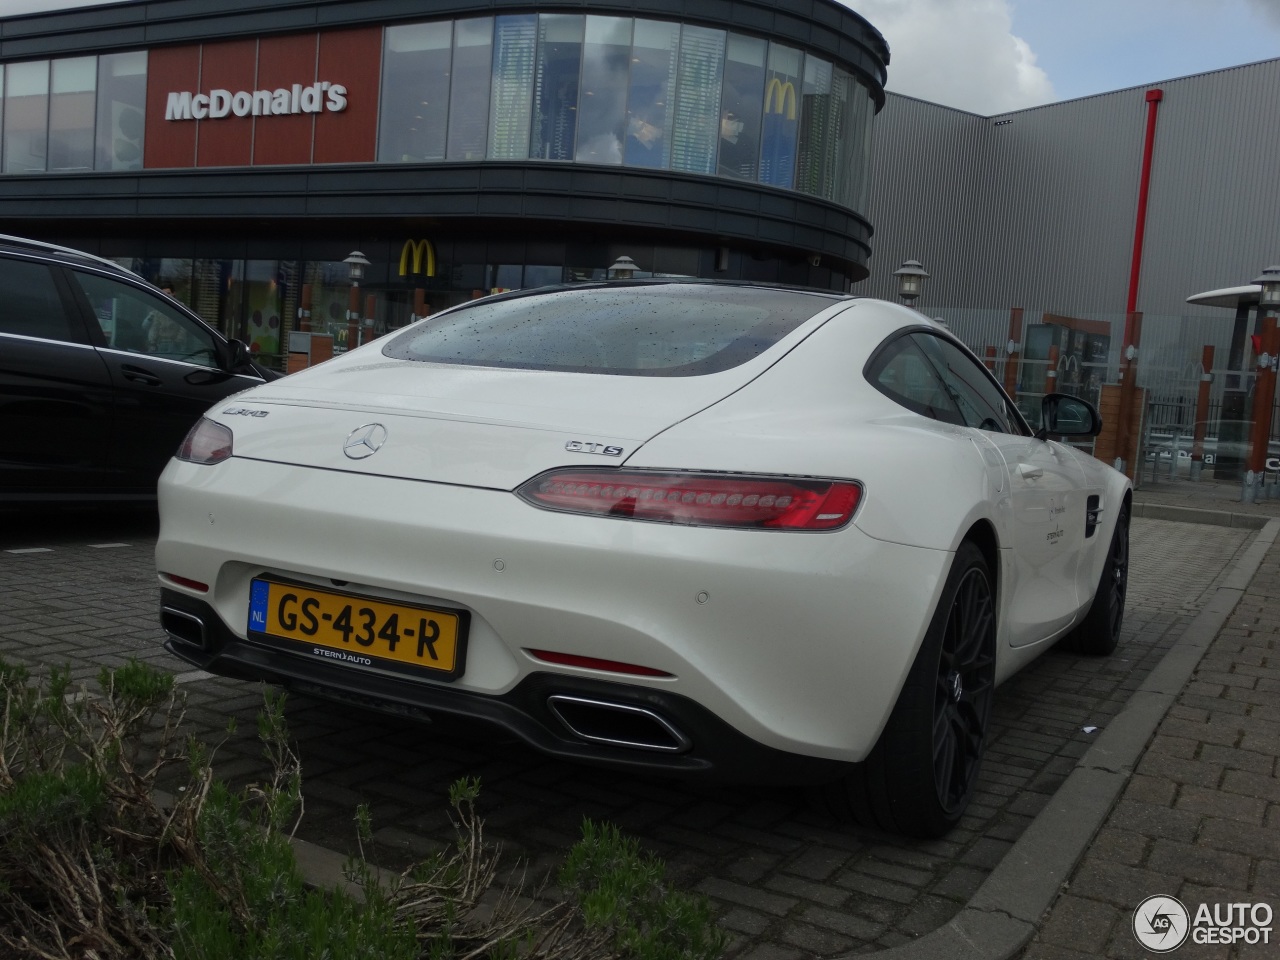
pixel 364 441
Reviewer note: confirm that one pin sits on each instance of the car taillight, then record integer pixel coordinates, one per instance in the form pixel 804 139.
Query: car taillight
pixel 207 442
pixel 698 499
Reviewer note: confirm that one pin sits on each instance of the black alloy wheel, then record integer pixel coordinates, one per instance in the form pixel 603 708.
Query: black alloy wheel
pixel 965 685
pixel 920 776
pixel 1116 574
pixel 1099 631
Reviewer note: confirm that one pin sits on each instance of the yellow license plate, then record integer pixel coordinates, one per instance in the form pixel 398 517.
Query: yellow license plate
pixel 357 630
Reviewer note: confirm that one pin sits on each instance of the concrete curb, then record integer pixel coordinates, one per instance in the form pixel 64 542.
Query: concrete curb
pixel 1217 518
pixel 1003 915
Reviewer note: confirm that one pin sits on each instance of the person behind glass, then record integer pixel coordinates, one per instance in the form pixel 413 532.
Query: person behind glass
pixel 737 152
pixel 643 146
pixel 163 335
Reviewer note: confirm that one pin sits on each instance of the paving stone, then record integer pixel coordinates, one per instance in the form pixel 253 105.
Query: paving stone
pixel 1081 924
pixel 1199 864
pixel 1120 846
pixel 1252 785
pixel 746 896
pixel 1217 803
pixel 1251 840
pixel 822 893
pixel 1155 821
pixel 1159 791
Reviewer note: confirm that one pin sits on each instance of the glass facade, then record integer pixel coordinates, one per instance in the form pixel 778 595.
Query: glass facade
pixel 122 111
pixel 73 114
pixel 26 117
pixel 593 89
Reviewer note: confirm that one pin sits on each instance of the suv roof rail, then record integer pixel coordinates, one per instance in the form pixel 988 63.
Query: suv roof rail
pixel 9 240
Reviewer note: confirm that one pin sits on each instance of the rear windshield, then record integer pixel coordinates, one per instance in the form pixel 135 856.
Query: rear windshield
pixel 661 330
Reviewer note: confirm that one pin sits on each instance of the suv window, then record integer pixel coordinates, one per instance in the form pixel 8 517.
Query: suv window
pixel 30 304
pixel 642 330
pixel 138 322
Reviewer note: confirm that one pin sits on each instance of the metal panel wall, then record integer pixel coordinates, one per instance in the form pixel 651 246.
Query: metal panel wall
pixel 1036 208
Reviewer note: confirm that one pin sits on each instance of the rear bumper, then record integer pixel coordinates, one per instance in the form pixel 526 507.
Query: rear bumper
pixel 795 642
pixel 618 725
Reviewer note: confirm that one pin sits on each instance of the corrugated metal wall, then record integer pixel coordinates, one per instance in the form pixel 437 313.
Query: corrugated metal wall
pixel 1036 208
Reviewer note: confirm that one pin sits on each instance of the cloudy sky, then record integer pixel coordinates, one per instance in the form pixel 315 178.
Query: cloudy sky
pixel 989 56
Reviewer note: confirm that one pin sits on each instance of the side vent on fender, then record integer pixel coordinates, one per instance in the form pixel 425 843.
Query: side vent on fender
pixel 1092 510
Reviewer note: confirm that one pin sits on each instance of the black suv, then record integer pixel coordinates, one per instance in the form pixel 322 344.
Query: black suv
pixel 101 376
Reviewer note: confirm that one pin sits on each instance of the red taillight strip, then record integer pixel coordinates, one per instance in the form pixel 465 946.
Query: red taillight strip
pixel 595 663
pixel 186 582
pixel 698 499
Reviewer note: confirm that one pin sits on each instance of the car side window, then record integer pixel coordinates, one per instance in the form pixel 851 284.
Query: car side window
pixel 139 322
pixel 904 373
pixel 981 403
pixel 30 304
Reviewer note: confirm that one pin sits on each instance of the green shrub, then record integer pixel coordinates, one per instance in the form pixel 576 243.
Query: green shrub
pixel 92 864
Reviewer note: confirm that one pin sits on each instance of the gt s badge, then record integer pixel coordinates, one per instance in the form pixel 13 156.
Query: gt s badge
pixel 245 412
pixel 583 446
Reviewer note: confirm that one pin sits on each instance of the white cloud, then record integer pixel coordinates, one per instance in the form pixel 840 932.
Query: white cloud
pixel 961 53
pixel 1268 8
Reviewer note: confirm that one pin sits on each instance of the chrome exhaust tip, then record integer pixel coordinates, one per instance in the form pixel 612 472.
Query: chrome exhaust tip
pixel 617 724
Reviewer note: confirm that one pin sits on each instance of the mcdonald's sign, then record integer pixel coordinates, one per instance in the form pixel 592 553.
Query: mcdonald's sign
pixel 785 94
pixel 420 255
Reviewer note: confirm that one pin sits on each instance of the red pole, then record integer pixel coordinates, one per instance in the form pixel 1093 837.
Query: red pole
pixel 989 358
pixel 1051 375
pixel 1144 188
pixel 1263 393
pixel 1126 442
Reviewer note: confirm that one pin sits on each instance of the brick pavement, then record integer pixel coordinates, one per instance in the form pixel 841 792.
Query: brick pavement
pixel 789 882
pixel 1199 818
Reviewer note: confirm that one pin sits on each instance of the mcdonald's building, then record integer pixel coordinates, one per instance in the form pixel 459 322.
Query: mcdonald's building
pixel 242 154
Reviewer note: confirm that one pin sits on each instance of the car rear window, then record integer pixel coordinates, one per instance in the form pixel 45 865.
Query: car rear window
pixel 660 330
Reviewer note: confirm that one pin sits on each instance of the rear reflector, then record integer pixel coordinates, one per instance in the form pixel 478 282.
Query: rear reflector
pixel 698 499
pixel 595 663
pixel 186 582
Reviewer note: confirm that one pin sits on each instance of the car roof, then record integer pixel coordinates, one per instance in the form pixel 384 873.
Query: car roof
pixel 61 254
pixel 640 282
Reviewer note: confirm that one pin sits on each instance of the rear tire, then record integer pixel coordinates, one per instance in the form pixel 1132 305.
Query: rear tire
pixel 920 776
pixel 1099 631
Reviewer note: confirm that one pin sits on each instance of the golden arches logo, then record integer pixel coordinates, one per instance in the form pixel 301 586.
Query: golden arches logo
pixel 418 254
pixel 786 98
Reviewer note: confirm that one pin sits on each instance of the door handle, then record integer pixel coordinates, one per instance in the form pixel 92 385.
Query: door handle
pixel 138 375
pixel 1028 472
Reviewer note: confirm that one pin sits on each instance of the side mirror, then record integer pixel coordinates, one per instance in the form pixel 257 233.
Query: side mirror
pixel 235 356
pixel 1062 415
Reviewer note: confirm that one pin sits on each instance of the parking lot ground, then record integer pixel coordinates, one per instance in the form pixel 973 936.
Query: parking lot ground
pixel 787 880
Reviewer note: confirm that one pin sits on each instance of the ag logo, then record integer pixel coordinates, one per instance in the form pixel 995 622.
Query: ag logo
pixel 1161 924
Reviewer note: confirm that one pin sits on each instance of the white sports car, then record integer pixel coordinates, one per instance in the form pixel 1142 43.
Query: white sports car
pixel 671 526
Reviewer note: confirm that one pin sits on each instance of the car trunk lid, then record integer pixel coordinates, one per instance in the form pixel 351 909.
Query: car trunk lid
pixel 475 426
